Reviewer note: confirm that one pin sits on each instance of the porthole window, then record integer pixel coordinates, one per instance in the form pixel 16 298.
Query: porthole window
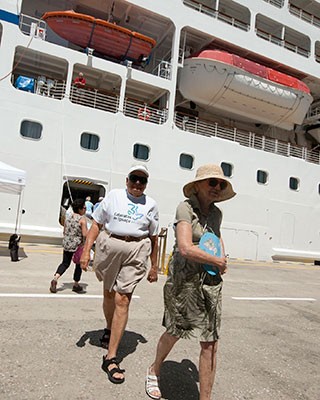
pixel 186 161
pixel 262 177
pixel 31 129
pixel 319 188
pixel 141 151
pixel 294 183
pixel 89 141
pixel 227 169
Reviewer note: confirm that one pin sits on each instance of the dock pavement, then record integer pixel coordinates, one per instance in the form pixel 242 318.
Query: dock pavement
pixel 269 347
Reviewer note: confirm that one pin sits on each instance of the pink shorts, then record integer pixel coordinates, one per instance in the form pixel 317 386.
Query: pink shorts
pixel 120 265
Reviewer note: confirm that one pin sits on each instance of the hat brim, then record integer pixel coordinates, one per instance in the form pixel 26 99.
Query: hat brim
pixel 225 194
pixel 139 168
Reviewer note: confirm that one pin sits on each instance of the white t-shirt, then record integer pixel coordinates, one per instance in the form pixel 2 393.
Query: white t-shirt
pixel 123 214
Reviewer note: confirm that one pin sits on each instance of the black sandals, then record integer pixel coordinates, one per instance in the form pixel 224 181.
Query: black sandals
pixel 112 371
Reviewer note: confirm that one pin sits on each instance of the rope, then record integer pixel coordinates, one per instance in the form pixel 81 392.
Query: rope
pixel 19 60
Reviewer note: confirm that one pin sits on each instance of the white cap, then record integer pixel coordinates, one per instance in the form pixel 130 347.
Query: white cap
pixel 139 167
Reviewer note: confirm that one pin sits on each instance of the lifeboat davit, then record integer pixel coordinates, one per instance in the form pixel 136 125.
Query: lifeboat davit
pixel 235 85
pixel 105 37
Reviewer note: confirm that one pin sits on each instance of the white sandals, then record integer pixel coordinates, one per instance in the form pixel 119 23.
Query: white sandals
pixel 152 386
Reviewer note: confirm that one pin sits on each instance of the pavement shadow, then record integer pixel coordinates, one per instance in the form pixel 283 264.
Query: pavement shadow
pixel 128 345
pixel 5 252
pixel 69 286
pixel 179 380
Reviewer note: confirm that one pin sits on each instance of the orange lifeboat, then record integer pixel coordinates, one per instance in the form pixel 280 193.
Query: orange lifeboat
pixel 104 37
pixel 240 87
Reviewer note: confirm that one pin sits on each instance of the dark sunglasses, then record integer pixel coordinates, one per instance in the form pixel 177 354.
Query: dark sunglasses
pixel 135 178
pixel 213 182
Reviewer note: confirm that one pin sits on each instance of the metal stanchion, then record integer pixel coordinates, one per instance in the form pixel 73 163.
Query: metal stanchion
pixel 162 250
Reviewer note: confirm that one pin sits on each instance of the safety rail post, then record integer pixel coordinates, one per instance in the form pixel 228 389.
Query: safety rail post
pixel 162 246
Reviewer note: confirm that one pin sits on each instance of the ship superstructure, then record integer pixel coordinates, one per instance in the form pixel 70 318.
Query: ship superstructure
pixel 149 106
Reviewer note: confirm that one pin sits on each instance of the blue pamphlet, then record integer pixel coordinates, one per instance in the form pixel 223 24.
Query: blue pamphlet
pixel 211 244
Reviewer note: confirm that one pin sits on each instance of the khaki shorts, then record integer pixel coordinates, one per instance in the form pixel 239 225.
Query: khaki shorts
pixel 120 265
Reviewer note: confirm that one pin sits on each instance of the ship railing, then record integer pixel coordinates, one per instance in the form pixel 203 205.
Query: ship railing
pixel 233 21
pixel 195 5
pixel 145 112
pixel 43 86
pixel 277 3
pixel 163 69
pixel 313 112
pixel 50 88
pixel 32 26
pixel 254 140
pixel 93 98
pixel 305 16
pixel 283 43
pixel 200 7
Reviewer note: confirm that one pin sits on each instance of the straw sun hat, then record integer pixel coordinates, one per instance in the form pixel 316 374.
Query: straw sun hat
pixel 208 171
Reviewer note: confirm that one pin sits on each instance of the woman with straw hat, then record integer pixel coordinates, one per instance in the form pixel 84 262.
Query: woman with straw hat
pixel 193 291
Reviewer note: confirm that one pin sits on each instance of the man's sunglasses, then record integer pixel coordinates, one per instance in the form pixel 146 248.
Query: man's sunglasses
pixel 135 178
pixel 213 182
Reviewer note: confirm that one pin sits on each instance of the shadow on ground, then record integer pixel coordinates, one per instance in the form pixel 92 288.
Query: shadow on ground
pixel 69 285
pixel 179 380
pixel 128 345
pixel 5 252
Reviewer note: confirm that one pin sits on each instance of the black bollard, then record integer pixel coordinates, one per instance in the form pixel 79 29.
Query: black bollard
pixel 14 247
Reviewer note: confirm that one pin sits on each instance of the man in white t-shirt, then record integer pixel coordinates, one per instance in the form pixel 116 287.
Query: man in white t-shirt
pixel 130 222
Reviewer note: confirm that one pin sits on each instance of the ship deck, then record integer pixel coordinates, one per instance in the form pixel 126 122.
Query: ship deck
pixel 50 343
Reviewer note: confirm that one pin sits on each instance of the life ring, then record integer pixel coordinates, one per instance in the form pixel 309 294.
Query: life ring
pixel 144 114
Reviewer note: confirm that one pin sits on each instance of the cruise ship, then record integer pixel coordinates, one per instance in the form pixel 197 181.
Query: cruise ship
pixel 173 84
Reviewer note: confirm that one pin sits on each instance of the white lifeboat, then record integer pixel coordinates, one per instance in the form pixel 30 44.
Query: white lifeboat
pixel 230 83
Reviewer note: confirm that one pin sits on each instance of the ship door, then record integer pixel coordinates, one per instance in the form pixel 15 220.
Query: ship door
pixel 80 189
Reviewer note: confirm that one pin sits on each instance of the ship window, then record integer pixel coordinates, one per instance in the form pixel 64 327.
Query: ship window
pixel 227 169
pixel 31 129
pixel 141 151
pixel 186 161
pixel 262 176
pixel 89 141
pixel 294 183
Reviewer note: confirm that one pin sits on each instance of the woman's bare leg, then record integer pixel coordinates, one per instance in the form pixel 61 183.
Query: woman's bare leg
pixel 207 368
pixel 165 344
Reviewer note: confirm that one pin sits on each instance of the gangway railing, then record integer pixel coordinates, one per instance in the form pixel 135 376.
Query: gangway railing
pixel 245 138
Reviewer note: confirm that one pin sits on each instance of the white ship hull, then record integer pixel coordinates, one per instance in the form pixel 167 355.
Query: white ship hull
pixel 132 110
